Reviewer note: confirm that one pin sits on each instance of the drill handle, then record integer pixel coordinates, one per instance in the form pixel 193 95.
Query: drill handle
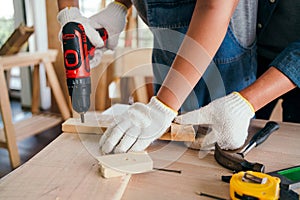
pixel 91 48
pixel 103 34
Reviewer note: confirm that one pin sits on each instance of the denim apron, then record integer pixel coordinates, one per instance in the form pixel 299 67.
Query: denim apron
pixel 233 67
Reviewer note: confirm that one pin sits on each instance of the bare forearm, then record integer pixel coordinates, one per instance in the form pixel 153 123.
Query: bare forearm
pixel 67 3
pixel 205 34
pixel 268 87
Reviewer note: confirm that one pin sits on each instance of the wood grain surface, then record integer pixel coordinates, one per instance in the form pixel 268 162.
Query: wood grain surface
pixel 96 123
pixel 67 169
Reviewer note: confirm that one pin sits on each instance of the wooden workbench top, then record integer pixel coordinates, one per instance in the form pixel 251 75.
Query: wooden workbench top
pixel 67 169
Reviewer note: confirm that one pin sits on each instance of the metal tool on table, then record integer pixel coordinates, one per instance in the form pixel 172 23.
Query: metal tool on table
pixel 78 51
pixel 236 161
pixel 260 137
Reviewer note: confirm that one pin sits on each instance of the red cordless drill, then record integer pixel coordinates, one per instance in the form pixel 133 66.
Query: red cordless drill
pixel 78 51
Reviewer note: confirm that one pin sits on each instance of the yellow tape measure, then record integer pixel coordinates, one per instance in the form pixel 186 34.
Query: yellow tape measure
pixel 254 185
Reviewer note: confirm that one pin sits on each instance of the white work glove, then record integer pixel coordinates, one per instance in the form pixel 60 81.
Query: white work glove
pixel 112 18
pixel 229 118
pixel 135 129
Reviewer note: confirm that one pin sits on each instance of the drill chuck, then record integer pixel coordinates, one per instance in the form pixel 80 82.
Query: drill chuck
pixel 80 90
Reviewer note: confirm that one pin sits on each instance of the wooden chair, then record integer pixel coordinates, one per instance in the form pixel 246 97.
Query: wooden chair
pixel 124 63
pixel 13 132
pixel 134 64
pixel 101 77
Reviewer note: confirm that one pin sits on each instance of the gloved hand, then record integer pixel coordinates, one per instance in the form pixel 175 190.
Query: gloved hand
pixel 135 129
pixel 112 18
pixel 229 118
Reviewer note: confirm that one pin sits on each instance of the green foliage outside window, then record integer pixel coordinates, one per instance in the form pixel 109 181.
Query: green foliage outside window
pixel 6 29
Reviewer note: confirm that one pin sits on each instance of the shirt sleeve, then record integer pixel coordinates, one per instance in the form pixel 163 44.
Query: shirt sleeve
pixel 288 62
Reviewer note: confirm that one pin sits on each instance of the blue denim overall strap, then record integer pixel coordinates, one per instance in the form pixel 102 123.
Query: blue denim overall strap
pixel 234 66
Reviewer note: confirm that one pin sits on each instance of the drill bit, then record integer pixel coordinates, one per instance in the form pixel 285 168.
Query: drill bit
pixel 82 117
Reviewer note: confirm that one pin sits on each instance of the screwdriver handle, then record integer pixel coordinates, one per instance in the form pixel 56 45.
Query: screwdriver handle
pixel 264 133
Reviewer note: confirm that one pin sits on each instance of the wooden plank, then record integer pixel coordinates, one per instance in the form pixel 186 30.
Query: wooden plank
pixel 132 66
pixel 92 125
pixel 197 175
pixel 141 89
pixel 56 89
pixel 204 174
pixel 101 90
pixel 25 59
pixel 97 123
pixel 63 170
pixel 67 169
pixel 54 43
pixel 114 165
pixel 131 62
pixel 32 126
pixel 36 124
pixel 10 139
pixel 107 172
pixel 16 40
pixel 35 107
pixel 101 77
pixel 180 133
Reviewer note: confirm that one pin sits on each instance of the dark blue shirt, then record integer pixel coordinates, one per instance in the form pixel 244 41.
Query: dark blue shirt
pixel 278 35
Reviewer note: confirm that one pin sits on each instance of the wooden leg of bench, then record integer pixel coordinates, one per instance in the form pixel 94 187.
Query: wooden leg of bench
pixel 102 100
pixel 57 91
pixel 9 130
pixel 101 96
pixel 35 90
pixel 141 89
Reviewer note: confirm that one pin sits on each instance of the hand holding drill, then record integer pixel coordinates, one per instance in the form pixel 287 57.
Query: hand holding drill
pixel 84 40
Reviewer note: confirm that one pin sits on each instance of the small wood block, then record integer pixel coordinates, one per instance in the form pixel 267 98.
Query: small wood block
pixel 96 123
pixel 175 133
pixel 200 135
pixel 107 172
pixel 91 125
pixel 114 165
pixel 180 132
